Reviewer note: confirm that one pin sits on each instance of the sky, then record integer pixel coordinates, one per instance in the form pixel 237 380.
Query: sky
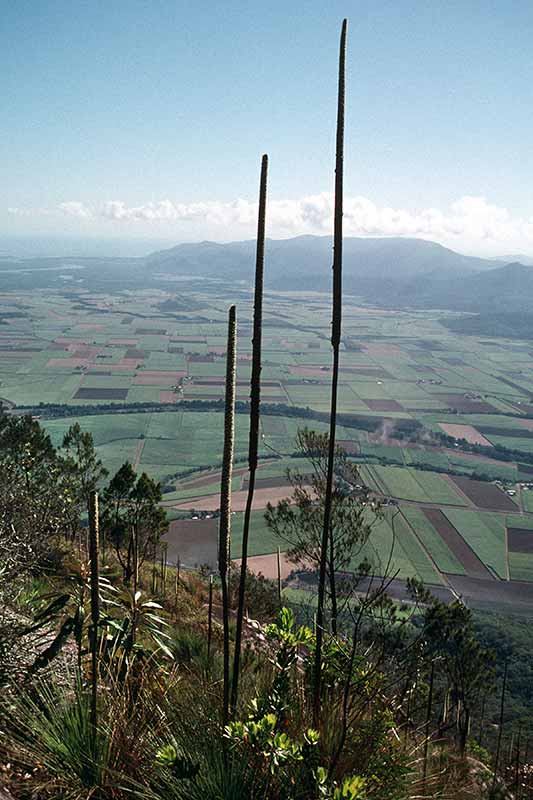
pixel 131 122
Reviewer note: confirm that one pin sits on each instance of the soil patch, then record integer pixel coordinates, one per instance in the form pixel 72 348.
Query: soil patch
pixel 467 405
pixel 473 566
pixel 489 593
pixel 168 397
pixel 520 540
pixel 514 433
pixel 89 393
pixel 467 432
pixel 484 495
pixel 238 500
pixel 68 363
pixel 351 448
pixel 132 352
pixel 383 405
pixel 193 541
pixel 267 565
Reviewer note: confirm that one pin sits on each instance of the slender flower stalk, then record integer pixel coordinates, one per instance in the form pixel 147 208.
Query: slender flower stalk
pixel 335 343
pixel 500 735
pixel 279 576
pixel 209 624
pixel 253 441
pixel 95 604
pixel 225 498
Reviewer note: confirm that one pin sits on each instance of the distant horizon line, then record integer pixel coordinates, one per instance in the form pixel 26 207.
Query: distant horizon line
pixel 42 245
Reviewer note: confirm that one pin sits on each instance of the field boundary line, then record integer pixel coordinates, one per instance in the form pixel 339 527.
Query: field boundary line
pixel 443 576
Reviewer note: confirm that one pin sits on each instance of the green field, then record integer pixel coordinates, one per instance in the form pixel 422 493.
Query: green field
pixel 485 533
pixel 124 346
pixel 416 485
pixel 432 541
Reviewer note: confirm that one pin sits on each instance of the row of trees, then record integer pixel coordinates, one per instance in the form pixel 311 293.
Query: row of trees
pixel 44 497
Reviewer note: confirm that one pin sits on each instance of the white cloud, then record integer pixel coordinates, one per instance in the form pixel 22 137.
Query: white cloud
pixel 74 208
pixel 471 222
pixel 19 212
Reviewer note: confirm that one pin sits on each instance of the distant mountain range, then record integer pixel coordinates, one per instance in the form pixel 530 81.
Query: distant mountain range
pixel 310 257
pixel 392 272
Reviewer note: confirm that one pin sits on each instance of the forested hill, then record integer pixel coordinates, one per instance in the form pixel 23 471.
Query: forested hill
pixel 387 272
pixel 291 259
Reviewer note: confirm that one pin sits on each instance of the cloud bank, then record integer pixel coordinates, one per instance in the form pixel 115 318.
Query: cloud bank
pixel 470 221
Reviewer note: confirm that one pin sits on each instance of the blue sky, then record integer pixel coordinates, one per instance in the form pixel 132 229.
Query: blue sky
pixel 133 120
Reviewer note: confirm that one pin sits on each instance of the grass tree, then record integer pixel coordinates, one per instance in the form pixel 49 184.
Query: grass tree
pixel 95 602
pixel 335 343
pixel 253 441
pixel 225 497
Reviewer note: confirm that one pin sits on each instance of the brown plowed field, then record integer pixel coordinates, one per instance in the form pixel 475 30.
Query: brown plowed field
pixel 485 594
pixel 525 407
pixel 465 405
pixel 352 448
pixel 520 540
pixel 373 372
pixel 473 566
pixel 194 541
pixel 132 352
pixel 88 393
pixel 383 405
pixel 269 483
pixel 484 495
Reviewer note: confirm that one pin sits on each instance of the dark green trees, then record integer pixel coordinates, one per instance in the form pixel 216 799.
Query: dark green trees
pixel 83 467
pixel 463 662
pixel 35 494
pixel 132 519
pixel 298 520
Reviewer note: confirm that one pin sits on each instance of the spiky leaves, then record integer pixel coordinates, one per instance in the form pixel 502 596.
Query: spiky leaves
pixel 253 440
pixel 335 343
pixel 224 540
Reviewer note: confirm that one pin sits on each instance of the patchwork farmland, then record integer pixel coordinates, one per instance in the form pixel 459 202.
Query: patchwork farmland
pixel 439 424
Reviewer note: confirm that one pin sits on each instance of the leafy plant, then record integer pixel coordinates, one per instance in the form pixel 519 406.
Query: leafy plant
pixel 51 729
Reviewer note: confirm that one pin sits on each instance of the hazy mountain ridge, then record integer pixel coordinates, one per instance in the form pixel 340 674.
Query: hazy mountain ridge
pixel 310 256
pixel 391 272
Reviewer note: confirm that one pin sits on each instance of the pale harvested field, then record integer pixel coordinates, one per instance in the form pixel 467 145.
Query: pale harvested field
pixel 268 566
pixel 238 500
pixel 159 379
pixel 526 423
pixel 374 349
pixel 68 363
pixel 167 397
pixel 467 432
